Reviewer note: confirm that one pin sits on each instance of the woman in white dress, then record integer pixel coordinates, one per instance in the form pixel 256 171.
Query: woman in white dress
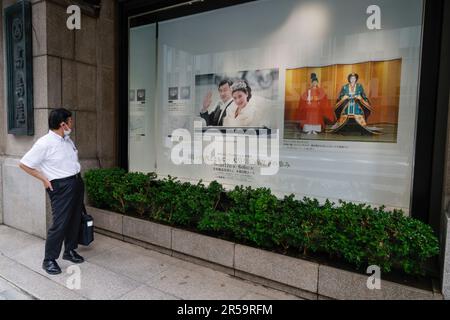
pixel 242 112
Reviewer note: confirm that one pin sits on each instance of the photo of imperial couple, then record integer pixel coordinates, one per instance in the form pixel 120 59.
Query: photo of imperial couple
pixel 351 110
pixel 354 102
pixel 245 99
pixel 344 102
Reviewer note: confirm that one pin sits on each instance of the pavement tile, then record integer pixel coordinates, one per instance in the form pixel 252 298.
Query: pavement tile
pixel 146 293
pixel 116 270
pixel 130 263
pixel 13 294
pixel 191 285
pixel 34 283
pixel 11 240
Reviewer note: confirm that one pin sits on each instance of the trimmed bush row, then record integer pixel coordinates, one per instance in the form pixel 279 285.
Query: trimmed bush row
pixel 356 233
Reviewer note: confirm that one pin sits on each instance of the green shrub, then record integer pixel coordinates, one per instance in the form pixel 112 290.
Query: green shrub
pixel 99 185
pixel 412 243
pixel 356 233
pixel 249 217
pixel 132 192
pixel 183 203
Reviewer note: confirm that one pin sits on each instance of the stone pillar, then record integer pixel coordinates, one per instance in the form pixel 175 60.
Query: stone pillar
pixel 446 256
pixel 106 85
pixel 2 114
pixel 24 198
pixel 71 69
pixel 445 232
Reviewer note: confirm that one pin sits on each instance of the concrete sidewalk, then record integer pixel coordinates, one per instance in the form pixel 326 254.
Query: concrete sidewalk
pixel 10 292
pixel 115 270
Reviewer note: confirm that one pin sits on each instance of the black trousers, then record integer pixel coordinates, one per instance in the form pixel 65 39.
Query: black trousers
pixel 67 204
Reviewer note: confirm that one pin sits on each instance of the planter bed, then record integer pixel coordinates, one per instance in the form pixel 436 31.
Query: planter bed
pixel 307 278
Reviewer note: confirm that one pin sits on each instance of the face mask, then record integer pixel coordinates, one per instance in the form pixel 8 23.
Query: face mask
pixel 67 132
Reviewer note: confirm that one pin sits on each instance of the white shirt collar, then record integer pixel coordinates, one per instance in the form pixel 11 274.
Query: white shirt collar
pixel 224 104
pixel 57 136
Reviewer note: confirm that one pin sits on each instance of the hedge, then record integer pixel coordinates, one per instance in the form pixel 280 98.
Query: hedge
pixel 357 233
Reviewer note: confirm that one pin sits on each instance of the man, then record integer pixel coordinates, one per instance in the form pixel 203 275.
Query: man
pixel 53 159
pixel 215 116
pixel 314 108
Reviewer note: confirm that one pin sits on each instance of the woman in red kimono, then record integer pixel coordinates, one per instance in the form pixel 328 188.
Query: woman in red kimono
pixel 314 108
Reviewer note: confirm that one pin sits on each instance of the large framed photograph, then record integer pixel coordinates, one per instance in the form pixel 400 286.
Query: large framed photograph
pixel 351 102
pixel 241 99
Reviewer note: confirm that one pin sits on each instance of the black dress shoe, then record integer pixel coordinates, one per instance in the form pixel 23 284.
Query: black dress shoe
pixel 73 257
pixel 51 267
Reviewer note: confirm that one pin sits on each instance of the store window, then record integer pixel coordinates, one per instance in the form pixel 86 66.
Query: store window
pixel 335 83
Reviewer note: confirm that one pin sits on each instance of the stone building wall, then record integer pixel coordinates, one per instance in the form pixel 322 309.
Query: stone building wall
pixel 445 224
pixel 447 178
pixel 2 113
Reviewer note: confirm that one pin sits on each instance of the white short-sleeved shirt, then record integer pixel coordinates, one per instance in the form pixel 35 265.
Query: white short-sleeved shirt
pixel 56 157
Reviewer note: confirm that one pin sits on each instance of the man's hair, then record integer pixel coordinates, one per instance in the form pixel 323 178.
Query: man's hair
pixel 224 82
pixel 57 116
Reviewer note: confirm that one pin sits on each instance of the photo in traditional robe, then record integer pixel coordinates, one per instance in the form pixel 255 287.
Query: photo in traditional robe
pixel 345 102
pixel 251 99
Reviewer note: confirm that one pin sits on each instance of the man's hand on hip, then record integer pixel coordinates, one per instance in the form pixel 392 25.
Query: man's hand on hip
pixel 37 175
pixel 48 185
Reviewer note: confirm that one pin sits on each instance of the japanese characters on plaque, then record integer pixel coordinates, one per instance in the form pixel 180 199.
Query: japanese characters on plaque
pixel 19 57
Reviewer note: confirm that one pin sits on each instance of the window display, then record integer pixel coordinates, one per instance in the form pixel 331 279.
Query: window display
pixel 341 97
